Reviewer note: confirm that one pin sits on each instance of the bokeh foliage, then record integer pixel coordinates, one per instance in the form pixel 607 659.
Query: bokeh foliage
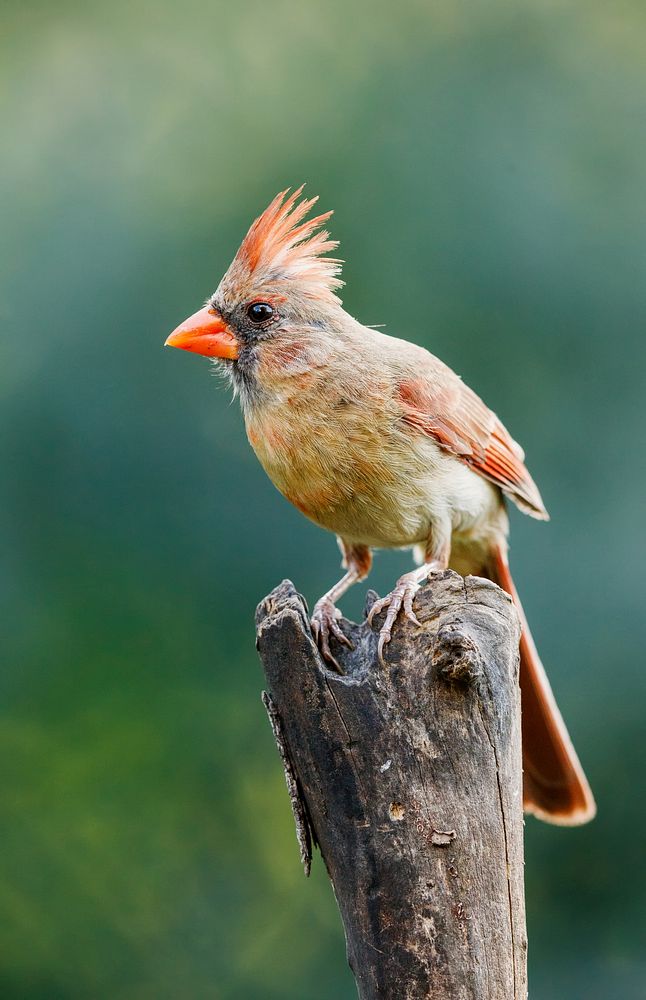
pixel 486 164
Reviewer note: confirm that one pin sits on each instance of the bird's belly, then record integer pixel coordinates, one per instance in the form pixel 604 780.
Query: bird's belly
pixel 372 519
pixel 385 497
pixel 372 513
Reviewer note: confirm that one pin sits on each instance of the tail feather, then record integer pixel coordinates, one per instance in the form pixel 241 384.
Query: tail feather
pixel 555 788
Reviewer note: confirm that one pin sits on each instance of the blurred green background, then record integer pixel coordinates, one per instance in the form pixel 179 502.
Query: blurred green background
pixel 487 164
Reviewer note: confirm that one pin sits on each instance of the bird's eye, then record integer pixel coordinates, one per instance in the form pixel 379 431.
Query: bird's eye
pixel 259 312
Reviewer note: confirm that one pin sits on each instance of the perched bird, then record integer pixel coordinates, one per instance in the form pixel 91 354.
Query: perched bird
pixel 378 441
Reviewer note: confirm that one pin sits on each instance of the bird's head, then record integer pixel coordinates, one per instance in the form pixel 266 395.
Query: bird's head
pixel 279 287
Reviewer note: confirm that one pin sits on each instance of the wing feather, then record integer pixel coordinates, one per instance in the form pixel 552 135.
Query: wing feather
pixel 439 404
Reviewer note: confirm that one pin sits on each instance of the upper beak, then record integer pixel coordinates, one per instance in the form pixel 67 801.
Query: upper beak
pixel 205 332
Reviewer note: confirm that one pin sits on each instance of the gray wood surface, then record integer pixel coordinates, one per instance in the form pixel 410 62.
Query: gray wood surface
pixel 409 780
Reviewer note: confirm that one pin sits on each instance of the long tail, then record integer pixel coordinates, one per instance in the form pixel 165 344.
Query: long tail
pixel 555 789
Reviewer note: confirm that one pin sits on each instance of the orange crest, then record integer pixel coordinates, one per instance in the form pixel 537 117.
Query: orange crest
pixel 281 247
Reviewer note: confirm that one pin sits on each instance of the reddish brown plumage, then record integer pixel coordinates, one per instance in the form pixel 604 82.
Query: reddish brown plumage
pixel 446 409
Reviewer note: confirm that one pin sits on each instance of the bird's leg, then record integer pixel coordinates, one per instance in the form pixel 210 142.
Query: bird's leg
pixel 436 560
pixel 325 616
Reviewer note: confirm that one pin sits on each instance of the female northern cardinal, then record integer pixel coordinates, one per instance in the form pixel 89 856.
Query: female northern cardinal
pixel 377 440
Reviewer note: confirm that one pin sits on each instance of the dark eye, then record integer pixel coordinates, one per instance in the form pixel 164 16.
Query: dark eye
pixel 260 312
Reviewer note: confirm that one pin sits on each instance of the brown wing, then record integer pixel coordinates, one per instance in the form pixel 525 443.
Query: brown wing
pixel 439 404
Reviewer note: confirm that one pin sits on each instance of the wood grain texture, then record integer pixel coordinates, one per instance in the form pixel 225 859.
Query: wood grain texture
pixel 410 781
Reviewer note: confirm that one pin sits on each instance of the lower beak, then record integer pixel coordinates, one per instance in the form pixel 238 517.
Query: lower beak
pixel 205 332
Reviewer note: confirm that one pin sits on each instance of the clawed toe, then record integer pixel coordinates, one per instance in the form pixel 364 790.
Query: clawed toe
pixel 409 597
pixel 325 622
pixel 384 637
pixel 402 597
pixel 377 608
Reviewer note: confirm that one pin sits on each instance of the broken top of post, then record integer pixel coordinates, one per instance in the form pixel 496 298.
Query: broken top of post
pixel 409 778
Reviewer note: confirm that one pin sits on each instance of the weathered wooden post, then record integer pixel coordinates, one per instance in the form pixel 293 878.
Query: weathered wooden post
pixel 409 780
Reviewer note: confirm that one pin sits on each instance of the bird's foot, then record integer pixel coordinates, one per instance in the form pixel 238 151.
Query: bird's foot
pixel 325 622
pixel 401 597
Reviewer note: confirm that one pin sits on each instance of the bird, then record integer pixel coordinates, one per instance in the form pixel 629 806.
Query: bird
pixel 378 441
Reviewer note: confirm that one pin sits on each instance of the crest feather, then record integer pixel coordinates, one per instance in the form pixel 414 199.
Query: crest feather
pixel 282 246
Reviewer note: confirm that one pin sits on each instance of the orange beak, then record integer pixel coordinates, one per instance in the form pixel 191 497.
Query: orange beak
pixel 205 332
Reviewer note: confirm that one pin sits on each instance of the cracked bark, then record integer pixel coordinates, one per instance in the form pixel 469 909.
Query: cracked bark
pixel 409 779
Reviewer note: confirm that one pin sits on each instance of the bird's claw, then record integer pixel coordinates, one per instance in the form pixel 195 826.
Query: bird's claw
pixel 325 622
pixel 401 597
